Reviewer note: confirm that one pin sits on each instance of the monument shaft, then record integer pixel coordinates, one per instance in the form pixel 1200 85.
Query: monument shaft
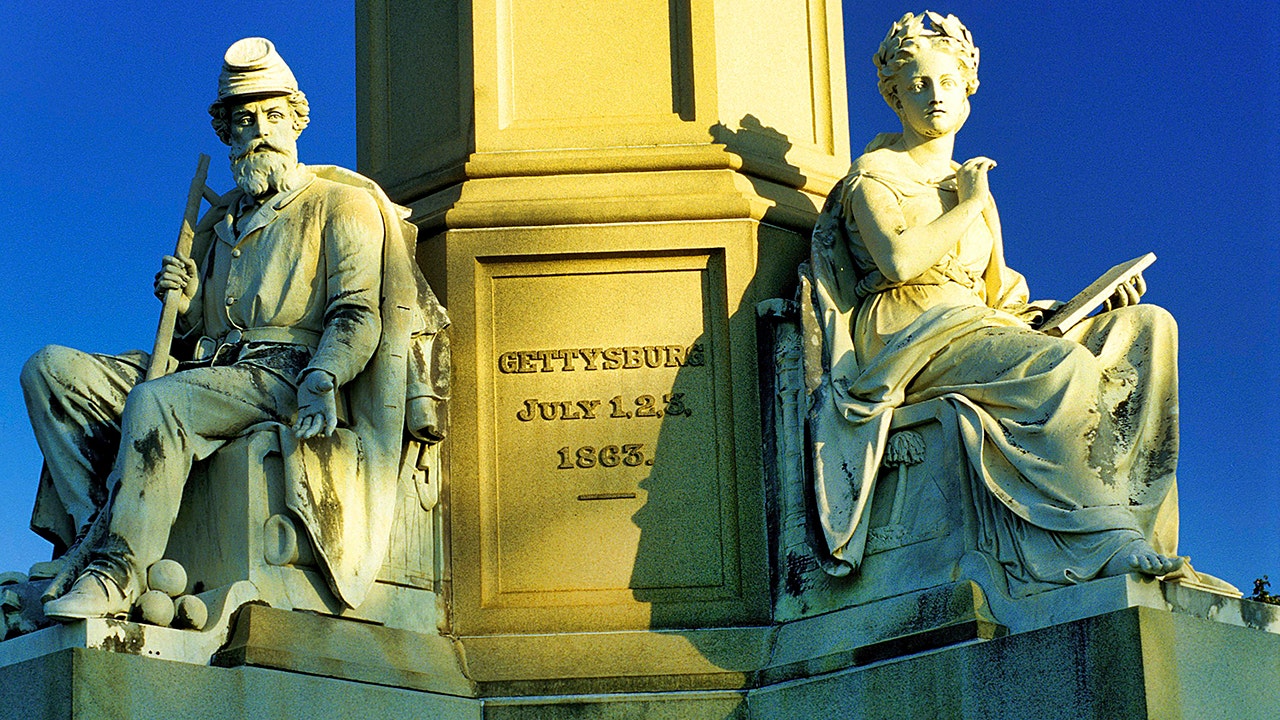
pixel 606 191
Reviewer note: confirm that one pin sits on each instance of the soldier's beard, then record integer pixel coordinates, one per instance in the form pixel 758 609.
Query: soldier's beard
pixel 261 168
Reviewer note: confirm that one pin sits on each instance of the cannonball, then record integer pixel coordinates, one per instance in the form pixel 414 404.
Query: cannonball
pixel 190 613
pixel 169 577
pixel 154 607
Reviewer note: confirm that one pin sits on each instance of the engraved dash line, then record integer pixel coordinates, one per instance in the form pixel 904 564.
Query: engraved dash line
pixel 607 496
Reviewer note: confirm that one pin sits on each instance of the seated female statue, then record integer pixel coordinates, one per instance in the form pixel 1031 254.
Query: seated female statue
pixel 1071 442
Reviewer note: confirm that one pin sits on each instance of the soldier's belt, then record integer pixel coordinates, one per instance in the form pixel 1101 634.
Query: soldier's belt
pixel 207 347
pixel 293 336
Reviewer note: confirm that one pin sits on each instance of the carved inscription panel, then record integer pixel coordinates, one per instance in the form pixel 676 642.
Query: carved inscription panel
pixel 612 475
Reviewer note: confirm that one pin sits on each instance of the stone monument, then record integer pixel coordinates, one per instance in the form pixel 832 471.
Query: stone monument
pixel 669 486
pixel 603 196
pixel 1074 436
pixel 288 453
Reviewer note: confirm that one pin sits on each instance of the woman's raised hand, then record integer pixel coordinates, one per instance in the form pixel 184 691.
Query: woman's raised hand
pixel 971 179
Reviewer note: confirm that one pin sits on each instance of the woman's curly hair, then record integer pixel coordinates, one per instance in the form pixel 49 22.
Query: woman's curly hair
pixel 909 35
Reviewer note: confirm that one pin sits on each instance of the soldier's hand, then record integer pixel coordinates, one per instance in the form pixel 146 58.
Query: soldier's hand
pixel 178 274
pixel 317 406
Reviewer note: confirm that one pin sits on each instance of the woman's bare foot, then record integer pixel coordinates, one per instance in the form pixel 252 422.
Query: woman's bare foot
pixel 1138 556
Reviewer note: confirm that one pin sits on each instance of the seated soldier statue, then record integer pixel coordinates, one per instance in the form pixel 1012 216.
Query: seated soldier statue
pixel 300 302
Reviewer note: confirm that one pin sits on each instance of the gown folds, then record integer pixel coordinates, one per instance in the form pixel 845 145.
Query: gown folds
pixel 1071 442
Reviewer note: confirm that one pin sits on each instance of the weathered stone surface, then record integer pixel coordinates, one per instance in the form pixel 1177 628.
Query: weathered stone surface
pixel 233 495
pixel 89 684
pixel 622 218
pixel 1071 452
pixel 21 607
pixel 12 578
pixel 190 613
pixel 154 608
pixel 1132 663
pixel 298 286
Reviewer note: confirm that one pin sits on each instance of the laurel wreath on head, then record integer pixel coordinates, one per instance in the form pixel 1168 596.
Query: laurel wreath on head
pixel 903 34
pixel 912 26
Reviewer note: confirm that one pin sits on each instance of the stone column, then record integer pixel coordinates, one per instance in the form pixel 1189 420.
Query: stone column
pixel 605 190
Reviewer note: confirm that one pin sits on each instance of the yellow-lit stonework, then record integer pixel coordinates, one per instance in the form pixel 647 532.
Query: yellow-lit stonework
pixel 632 511
pixel 608 193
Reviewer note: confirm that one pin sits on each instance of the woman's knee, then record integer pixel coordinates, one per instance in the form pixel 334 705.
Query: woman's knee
pixel 1060 356
pixel 1148 315
pixel 1079 364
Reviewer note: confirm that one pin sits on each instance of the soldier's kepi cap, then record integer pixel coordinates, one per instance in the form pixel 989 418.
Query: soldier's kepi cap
pixel 253 67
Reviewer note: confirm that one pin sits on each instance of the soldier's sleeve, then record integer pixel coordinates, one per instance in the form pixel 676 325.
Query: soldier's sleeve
pixel 352 246
pixel 191 323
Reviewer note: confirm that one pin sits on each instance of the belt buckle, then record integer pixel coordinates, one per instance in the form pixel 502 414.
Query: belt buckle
pixel 228 349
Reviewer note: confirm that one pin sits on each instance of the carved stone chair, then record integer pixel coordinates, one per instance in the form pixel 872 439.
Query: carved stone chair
pixel 922 522
pixel 234 527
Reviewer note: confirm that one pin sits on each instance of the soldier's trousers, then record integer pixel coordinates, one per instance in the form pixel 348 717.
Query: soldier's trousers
pixel 104 431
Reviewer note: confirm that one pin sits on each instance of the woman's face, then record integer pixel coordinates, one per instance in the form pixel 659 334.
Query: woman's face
pixel 932 93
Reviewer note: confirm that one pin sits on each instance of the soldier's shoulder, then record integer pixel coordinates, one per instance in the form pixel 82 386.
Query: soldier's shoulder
pixel 338 189
pixel 340 194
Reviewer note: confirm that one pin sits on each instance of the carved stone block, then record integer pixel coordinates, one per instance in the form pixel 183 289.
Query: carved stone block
pixel 234 526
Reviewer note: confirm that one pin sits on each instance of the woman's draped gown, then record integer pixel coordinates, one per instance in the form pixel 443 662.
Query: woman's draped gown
pixel 1071 442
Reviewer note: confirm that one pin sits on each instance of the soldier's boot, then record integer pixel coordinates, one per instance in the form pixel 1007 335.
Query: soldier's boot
pixel 94 595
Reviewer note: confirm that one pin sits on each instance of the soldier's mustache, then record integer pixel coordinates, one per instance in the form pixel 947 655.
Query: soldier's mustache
pixel 257 146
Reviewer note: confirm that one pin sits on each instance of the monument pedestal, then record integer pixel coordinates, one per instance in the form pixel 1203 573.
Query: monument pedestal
pixel 1161 652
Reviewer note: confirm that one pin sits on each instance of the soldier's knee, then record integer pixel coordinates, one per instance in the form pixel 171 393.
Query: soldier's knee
pixel 149 403
pixel 143 395
pixel 48 362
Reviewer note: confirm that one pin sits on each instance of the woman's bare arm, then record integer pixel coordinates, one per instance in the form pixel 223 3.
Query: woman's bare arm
pixel 902 253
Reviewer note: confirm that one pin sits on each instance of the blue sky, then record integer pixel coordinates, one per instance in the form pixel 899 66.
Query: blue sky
pixel 1119 128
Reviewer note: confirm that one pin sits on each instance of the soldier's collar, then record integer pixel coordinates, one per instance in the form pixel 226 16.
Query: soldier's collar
pixel 299 179
pixel 244 204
